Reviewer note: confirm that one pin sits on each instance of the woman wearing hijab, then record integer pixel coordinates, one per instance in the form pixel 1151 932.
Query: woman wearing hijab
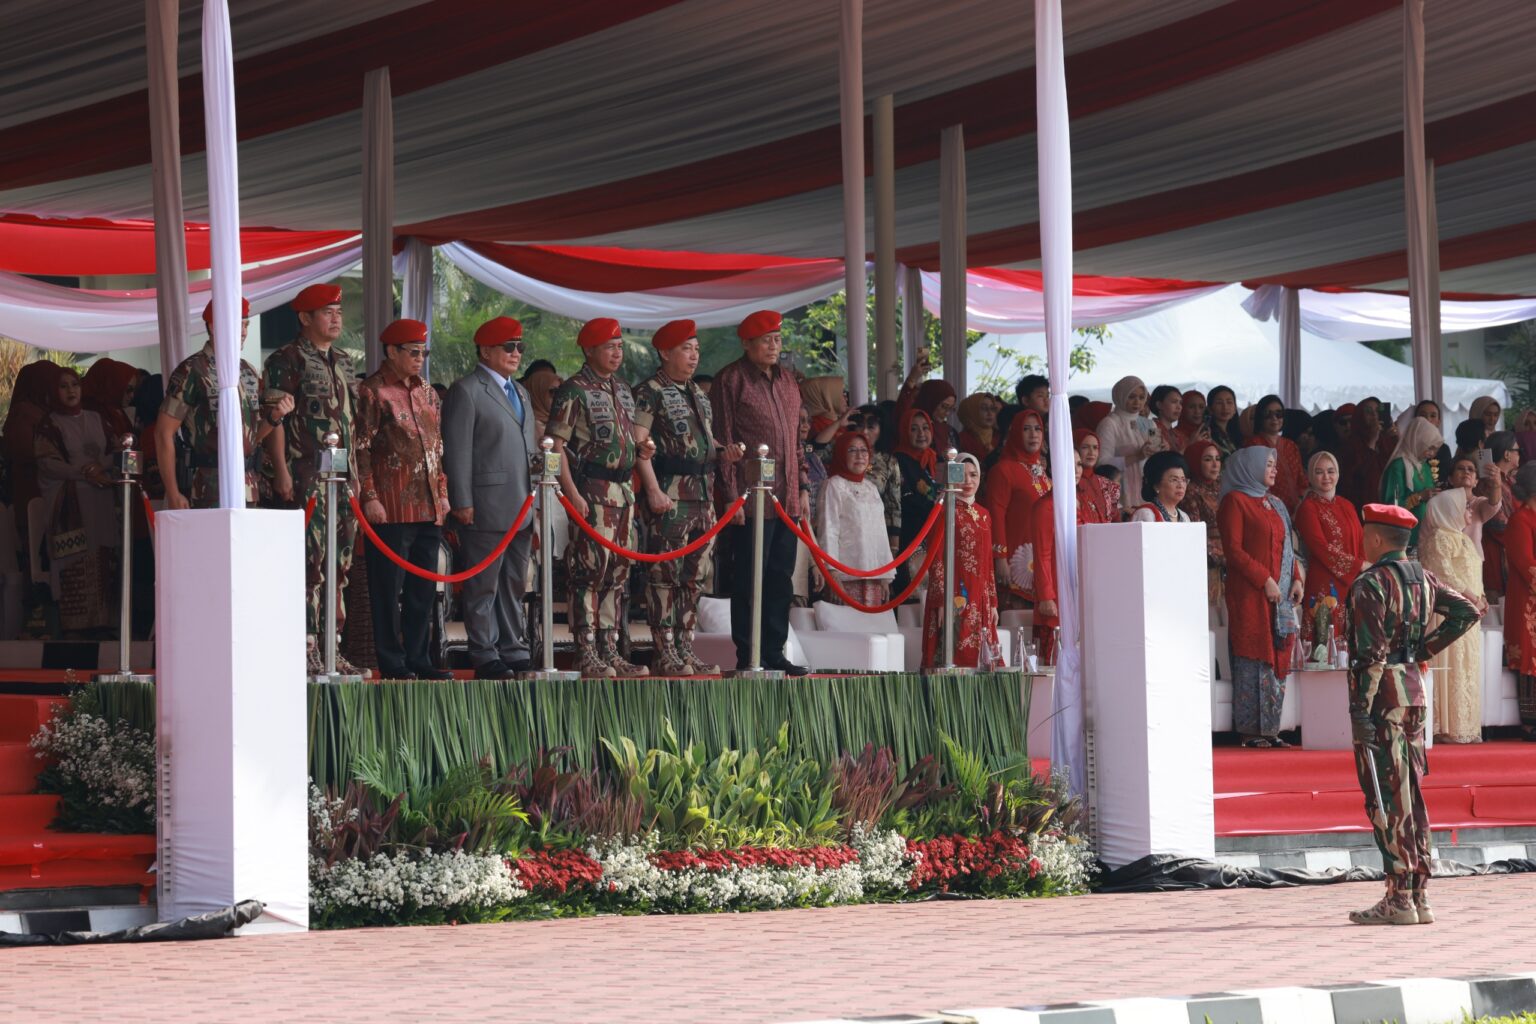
pixel 1365 455
pixel 1264 584
pixel 1520 599
pixel 1290 474
pixel 1192 426
pixel 1163 487
pixel 919 485
pixel 1450 554
pixel 1488 410
pixel 978 422
pixel 108 390
pixel 1013 486
pixel 936 398
pixel 851 521
pixel 823 400
pixel 74 470
pixel 974 595
pixel 1093 498
pixel 1221 411
pixel 31 399
pixel 1167 406
pixel 541 384
pixel 1047 615
pixel 1201 501
pixel 1128 437
pixel 1331 542
pixel 1412 474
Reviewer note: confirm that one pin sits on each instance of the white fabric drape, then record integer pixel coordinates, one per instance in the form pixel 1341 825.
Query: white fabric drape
pixel 1290 348
pixel 378 218
pixel 952 243
pixel 997 307
pixel 722 302
pixel 1423 296
pixel 887 380
pixel 78 320
pixel 1377 316
pixel 224 239
pixel 161 18
pixel 1055 161
pixel 856 283
pixel 913 336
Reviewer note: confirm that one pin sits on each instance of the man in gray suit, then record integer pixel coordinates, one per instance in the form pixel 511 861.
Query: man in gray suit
pixel 488 446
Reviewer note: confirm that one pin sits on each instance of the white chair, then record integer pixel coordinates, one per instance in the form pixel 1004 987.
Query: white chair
pixel 712 637
pixel 1501 706
pixel 828 620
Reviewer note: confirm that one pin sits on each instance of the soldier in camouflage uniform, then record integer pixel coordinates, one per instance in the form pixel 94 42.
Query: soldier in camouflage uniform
pixel 319 378
pixel 1390 638
pixel 192 402
pixel 592 420
pixel 673 411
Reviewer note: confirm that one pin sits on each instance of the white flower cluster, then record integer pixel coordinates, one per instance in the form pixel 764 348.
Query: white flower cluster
pixel 884 859
pixel 113 761
pixel 390 883
pixel 1067 860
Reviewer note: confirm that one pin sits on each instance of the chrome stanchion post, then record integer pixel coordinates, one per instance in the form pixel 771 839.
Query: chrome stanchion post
pixel 954 476
pixel 761 488
pixel 128 470
pixel 549 497
pixel 333 473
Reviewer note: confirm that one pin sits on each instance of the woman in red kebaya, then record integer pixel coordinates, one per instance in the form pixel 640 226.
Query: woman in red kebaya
pixel 1329 527
pixel 975 597
pixel 1290 474
pixel 1013 486
pixel 1047 614
pixel 1365 455
pixel 1201 501
pixel 1192 426
pixel 1094 502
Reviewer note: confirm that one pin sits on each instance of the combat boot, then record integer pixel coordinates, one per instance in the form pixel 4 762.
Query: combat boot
pixel 1396 907
pixel 312 660
pixel 669 662
pixel 1422 908
pixel 696 665
pixel 609 641
pixel 589 659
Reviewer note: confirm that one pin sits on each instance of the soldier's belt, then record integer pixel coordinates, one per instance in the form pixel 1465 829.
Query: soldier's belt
pixel 671 465
pixel 592 471
pixel 252 461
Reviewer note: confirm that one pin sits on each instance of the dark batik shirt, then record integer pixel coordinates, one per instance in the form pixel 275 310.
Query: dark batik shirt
pixel 752 407
pixel 400 448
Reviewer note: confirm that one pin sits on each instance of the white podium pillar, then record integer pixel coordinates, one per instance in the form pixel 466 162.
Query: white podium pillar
pixel 1147 679
pixel 231 711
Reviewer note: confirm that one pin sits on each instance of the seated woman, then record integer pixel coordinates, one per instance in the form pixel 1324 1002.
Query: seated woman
pixel 1411 475
pixel 1163 484
pixel 919 485
pixel 1109 480
pixel 1013 486
pixel 1456 561
pixel 975 596
pixel 1329 528
pixel 1201 500
pixel 1047 615
pixel 851 522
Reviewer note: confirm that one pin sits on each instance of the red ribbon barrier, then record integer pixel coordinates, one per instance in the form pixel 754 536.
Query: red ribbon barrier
pixel 426 574
pixel 666 556
pixel 917 578
pixel 309 510
pixel 863 574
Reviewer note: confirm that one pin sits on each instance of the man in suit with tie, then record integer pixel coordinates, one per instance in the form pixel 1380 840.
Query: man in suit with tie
pixel 489 441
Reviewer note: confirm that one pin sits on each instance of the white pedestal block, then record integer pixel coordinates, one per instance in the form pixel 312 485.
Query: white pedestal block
pixel 232 714
pixel 1147 674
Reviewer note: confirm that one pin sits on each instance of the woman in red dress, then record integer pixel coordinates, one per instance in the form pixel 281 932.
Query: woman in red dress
pixel 1290 474
pixel 978 424
pixel 1013 486
pixel 1047 614
pixel 1192 426
pixel 1520 598
pixel 975 596
pixel 1201 500
pixel 1329 527
pixel 1094 503
pixel 1264 583
pixel 1365 455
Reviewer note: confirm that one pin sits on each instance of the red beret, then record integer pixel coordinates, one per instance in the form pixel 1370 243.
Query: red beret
pixel 1390 515
pixel 316 296
pixel 673 334
pixel 764 321
pixel 245 311
pixel 404 332
pixel 498 332
pixel 597 332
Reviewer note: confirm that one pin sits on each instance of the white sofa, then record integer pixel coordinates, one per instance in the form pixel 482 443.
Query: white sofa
pixel 838 637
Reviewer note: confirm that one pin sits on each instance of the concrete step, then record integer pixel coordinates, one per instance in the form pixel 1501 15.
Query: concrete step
pixel 110 918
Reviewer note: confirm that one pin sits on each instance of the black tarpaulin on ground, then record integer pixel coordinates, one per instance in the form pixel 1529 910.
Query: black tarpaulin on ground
pixel 1164 872
pixel 216 924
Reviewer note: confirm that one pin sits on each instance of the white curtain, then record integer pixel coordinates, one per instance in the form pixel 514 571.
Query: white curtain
pixel 1423 292
pixel 1290 348
pixel 161 18
pixel 77 320
pixel 993 306
pixel 1055 161
pixel 851 92
pixel 721 302
pixel 1377 316
pixel 952 264
pixel 378 218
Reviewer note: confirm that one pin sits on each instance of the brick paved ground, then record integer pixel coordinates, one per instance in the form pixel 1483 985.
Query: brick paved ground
pixel 787 966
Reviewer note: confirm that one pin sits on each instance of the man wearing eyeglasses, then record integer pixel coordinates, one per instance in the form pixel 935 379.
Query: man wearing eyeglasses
pixel 404 495
pixel 489 441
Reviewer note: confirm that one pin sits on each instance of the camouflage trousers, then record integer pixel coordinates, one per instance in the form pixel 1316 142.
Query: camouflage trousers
pixel 597 575
pixel 1402 825
pixel 314 562
pixel 672 598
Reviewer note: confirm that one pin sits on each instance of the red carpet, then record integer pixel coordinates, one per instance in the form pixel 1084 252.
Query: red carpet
pixel 1274 792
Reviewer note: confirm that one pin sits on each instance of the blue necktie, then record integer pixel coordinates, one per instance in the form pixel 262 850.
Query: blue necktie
pixel 517 403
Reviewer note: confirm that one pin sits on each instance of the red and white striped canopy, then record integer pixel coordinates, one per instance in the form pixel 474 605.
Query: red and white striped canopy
pixel 1212 141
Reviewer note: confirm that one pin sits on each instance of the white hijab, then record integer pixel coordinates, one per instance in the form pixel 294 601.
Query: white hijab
pixel 1418 435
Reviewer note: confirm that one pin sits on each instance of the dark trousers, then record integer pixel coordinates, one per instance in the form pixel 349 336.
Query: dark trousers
pixel 402 601
pixel 778 589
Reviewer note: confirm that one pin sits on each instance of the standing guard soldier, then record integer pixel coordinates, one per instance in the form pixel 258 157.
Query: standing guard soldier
pixel 592 418
pixel 318 376
pixel 1390 638
pixel 192 401
pixel 673 412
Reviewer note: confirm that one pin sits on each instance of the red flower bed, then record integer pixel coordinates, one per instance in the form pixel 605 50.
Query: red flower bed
pixel 554 873
pixel 961 862
pixel 822 858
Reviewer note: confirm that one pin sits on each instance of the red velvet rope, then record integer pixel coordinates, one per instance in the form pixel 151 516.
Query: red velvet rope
pixel 863 574
pixel 309 510
pixel 149 510
pixel 665 556
pixel 917 578
pixel 427 574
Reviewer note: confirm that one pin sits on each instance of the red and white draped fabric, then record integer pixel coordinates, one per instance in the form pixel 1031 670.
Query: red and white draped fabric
pixel 1376 316
pixel 1013 301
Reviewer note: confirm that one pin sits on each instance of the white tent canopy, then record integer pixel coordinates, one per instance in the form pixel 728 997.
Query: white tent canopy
pixel 1211 341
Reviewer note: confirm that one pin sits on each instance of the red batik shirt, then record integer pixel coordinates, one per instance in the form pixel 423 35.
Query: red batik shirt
pixel 399 440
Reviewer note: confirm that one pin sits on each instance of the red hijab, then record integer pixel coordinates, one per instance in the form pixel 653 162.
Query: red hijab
pixel 929 394
pixel 924 457
pixel 1192 455
pixel 839 464
pixel 102 391
pixel 1013 448
pixel 1186 426
pixel 1090 489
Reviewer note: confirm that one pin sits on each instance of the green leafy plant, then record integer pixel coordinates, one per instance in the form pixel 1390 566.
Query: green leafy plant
pixel 466 810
